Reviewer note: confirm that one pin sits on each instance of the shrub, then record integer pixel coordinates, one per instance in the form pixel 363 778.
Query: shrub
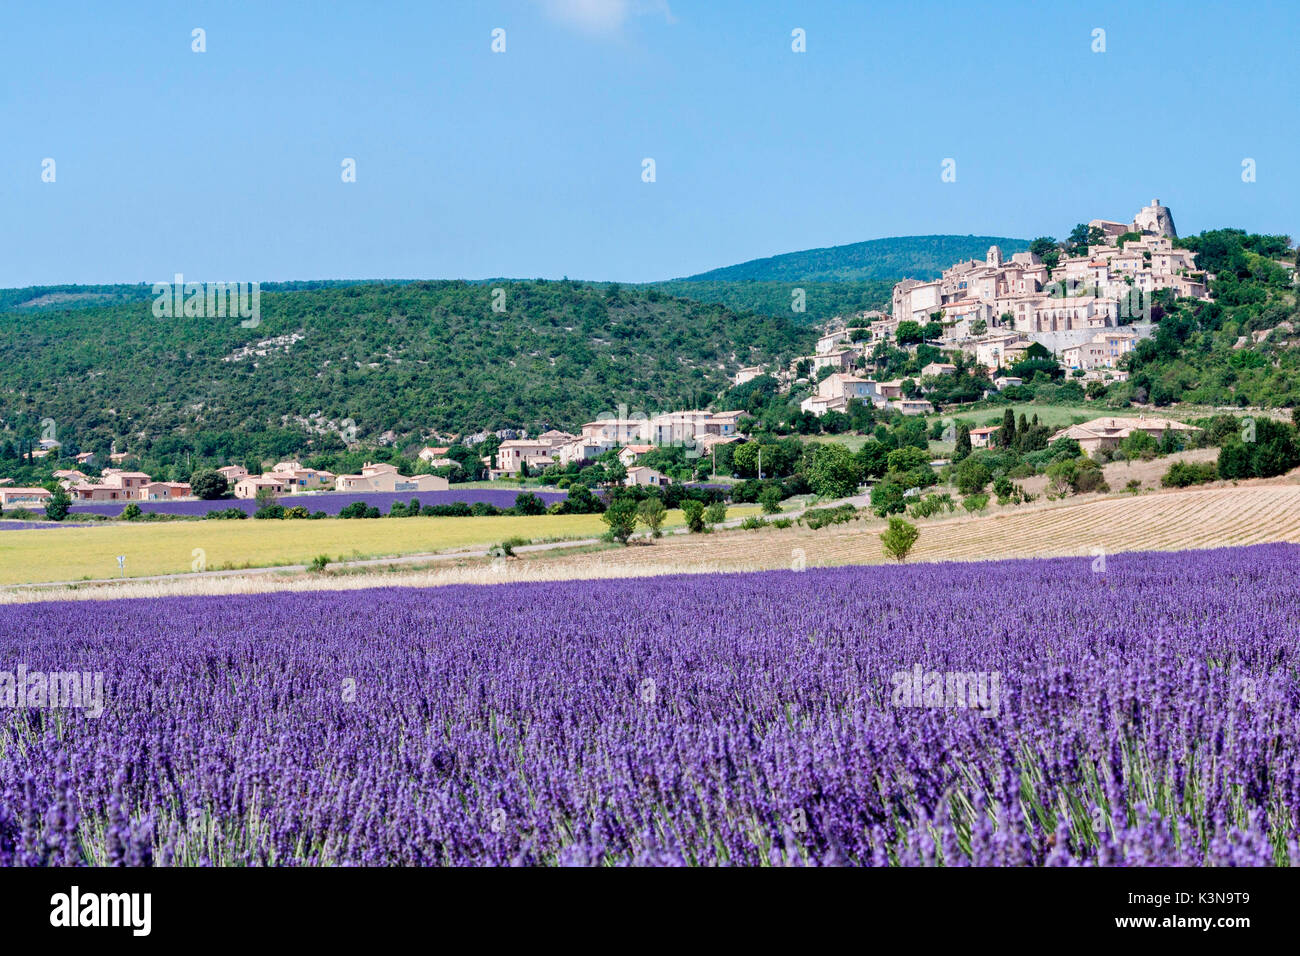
pixel 132 512
pixel 931 505
pixel 753 523
pixel 715 513
pixel 821 517
pixel 227 514
pixel 318 563
pixel 1089 477
pixel 507 547
pixel 297 511
pixel 1181 474
pixel 1138 444
pixel 897 540
pixel 456 509
pixel 270 511
pixel 694 513
pixel 1076 476
pixel 975 504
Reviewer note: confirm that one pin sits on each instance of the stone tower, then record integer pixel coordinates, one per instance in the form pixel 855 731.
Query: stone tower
pixel 1155 220
pixel 994 257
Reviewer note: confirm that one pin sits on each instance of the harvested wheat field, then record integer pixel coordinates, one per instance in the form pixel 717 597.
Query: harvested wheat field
pixel 1166 521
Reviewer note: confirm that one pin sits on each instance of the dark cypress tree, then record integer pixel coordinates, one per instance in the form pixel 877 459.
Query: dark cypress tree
pixel 962 448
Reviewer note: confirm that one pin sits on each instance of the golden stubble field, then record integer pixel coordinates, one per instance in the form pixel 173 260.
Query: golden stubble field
pixel 1220 516
pixel 176 547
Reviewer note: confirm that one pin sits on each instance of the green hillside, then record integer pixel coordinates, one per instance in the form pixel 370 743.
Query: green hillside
pixel 899 257
pixel 402 358
pixel 821 300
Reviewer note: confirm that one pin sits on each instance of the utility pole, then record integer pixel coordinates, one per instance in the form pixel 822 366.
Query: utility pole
pixel 760 462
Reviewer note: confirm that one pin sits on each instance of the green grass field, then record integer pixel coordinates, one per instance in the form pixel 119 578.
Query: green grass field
pixel 71 554
pixel 1058 416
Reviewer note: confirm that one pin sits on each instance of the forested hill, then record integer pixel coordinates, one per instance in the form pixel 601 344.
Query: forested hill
pixel 49 298
pixel 408 358
pixel 899 257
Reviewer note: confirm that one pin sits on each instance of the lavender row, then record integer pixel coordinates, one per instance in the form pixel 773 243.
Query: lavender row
pixel 1004 713
pixel 328 502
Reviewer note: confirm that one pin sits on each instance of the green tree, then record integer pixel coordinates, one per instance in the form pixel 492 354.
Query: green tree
pixel 887 498
pixel 833 472
pixel 1079 237
pixel 208 484
pixel 963 447
pixel 1007 434
pixel 527 503
pixel 909 333
pixel 651 513
pixel 973 476
pixel 1234 461
pixel 873 458
pixel 58 504
pixel 1061 475
pixel 1046 249
pixel 898 539
pixel 907 458
pixel 770 499
pixel 621 516
pixel 693 511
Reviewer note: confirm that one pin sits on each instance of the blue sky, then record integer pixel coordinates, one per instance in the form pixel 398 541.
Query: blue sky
pixel 226 165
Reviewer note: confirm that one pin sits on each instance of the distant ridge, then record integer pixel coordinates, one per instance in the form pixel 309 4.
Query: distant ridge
pixel 898 257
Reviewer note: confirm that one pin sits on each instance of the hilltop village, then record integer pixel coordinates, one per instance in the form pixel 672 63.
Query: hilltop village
pixel 1001 327
pixel 1088 309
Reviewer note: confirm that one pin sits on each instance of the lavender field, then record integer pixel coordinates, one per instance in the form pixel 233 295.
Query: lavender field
pixel 1011 713
pixel 329 502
